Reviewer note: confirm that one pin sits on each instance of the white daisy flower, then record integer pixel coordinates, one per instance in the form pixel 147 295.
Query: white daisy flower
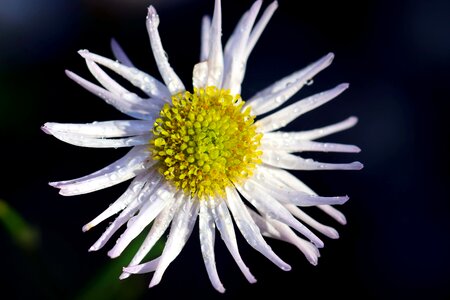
pixel 201 154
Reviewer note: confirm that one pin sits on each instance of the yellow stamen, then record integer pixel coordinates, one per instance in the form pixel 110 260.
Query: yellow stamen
pixel 204 141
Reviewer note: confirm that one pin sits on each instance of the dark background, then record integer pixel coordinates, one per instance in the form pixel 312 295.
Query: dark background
pixel 395 54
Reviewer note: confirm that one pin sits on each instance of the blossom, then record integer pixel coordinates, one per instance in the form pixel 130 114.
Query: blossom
pixel 202 154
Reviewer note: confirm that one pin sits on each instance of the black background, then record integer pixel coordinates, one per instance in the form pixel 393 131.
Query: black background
pixel 396 56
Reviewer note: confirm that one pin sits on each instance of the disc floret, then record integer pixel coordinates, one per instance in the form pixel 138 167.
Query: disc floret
pixel 204 141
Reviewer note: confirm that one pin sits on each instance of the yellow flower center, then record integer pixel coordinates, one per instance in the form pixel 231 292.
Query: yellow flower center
pixel 205 142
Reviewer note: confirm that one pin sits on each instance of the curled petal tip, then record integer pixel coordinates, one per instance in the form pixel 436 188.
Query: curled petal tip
pixel 153 283
pixel 86 227
pixel 356 149
pixel 83 52
pixel 45 129
pixel 53 184
pixel 113 254
pixel 314 261
pixel 357 165
pixel 286 267
pixel 333 234
pixel 343 199
pixel 344 86
pixel 152 14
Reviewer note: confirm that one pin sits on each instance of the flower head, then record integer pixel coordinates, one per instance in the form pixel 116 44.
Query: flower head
pixel 202 154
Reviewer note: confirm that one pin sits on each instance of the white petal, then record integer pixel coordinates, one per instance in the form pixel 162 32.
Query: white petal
pixel 286 195
pixel 200 75
pixel 260 26
pixel 278 230
pixel 154 204
pixel 292 162
pixel 159 226
pixel 321 132
pixel 334 213
pixel 83 141
pixel 284 116
pixel 215 55
pixel 295 183
pixel 144 81
pixel 289 144
pixel 130 194
pixel 123 169
pixel 224 224
pixel 236 57
pixel 104 79
pixel 115 88
pixel 107 129
pixel 125 103
pixel 205 40
pixel 270 207
pixel 249 229
pixel 170 78
pixel 180 231
pixel 278 93
pixel 143 268
pixel 207 236
pixel 289 179
pixel 150 187
pixel 119 54
pixel 324 229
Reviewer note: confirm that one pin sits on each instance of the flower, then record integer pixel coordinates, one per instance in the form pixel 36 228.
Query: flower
pixel 201 153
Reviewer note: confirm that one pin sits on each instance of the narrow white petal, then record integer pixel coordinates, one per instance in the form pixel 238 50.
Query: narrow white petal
pixel 123 169
pixel 318 132
pixel 278 230
pixel 324 229
pixel 83 141
pixel 104 79
pixel 236 55
pixel 147 83
pixel 260 26
pixel 143 268
pixel 249 229
pixel 106 129
pixel 170 78
pixel 215 55
pixel 270 207
pixel 295 183
pixel 119 54
pixel 125 103
pixel 130 194
pixel 180 231
pixel 224 224
pixel 205 40
pixel 289 161
pixel 286 195
pixel 207 235
pixel 154 204
pixel 284 116
pixel 159 226
pixel 151 185
pixel 278 93
pixel 334 213
pixel 200 75
pixel 289 179
pixel 289 144
pixel 110 84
